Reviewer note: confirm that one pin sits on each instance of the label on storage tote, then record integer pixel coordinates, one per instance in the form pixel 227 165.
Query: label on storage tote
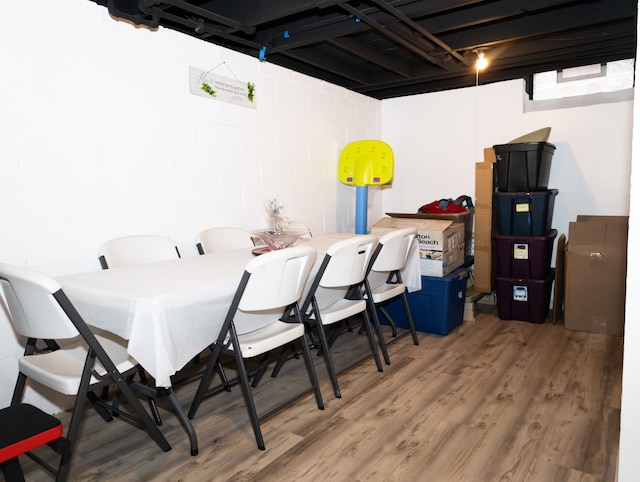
pixel 520 293
pixel 520 251
pixel 522 207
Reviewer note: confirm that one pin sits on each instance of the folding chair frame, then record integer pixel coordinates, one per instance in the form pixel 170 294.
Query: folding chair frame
pixel 227 338
pixel 65 445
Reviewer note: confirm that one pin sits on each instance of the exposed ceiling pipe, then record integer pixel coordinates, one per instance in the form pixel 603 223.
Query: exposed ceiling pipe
pixel 354 48
pixel 392 35
pixel 202 28
pixel 130 11
pixel 421 30
pixel 146 6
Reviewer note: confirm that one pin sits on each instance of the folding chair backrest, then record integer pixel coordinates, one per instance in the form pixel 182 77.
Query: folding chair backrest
pixel 395 250
pixel 223 239
pixel 349 261
pixel 277 278
pixel 33 310
pixel 137 249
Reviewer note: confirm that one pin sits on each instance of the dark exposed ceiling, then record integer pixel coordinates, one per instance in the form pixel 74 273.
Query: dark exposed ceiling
pixel 393 48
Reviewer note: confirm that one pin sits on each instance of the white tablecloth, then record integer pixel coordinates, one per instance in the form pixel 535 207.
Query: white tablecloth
pixel 172 310
pixel 169 311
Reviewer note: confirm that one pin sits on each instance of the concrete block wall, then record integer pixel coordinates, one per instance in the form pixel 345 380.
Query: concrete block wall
pixel 438 138
pixel 100 137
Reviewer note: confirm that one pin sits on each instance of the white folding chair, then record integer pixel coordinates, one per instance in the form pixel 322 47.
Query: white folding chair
pixel 267 294
pixel 40 310
pixel 342 275
pixel 223 239
pixel 384 281
pixel 141 249
pixel 136 249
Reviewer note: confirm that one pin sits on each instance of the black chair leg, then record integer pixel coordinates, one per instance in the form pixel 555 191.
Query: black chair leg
pixel 260 372
pixel 312 372
pixel 12 470
pixel 246 390
pixel 324 344
pixel 378 329
pixel 204 381
pixel 284 353
pixel 407 312
pixel 334 333
pixel 152 403
pixel 98 407
pixel 223 377
pixel 372 341
pixel 394 331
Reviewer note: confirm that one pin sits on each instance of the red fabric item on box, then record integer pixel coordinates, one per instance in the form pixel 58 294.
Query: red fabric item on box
pixel 435 208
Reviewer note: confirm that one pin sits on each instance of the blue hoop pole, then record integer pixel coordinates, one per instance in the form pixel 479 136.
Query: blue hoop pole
pixel 361 209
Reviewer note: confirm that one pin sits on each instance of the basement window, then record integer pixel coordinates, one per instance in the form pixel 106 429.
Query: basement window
pixel 584 81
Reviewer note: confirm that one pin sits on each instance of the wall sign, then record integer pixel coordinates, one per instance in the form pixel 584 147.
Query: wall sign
pixel 224 89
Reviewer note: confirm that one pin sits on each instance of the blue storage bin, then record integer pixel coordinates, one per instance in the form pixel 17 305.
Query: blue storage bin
pixel 525 213
pixel 437 308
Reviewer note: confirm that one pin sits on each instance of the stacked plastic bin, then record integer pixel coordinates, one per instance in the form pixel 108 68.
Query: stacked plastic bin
pixel 437 308
pixel 524 242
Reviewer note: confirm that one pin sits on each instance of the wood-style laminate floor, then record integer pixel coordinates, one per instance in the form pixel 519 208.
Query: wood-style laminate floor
pixel 493 401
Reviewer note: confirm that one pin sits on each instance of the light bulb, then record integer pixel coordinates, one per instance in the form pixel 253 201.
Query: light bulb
pixel 482 62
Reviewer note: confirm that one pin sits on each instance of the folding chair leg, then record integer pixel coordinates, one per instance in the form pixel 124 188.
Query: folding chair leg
pixel 324 344
pixel 378 328
pixel 223 377
pixel 372 340
pixel 284 353
pixel 72 430
pixel 204 381
pixel 99 408
pixel 394 331
pixel 12 470
pixel 246 389
pixel 312 371
pixel 335 331
pixel 407 312
pixel 253 414
pixel 152 403
pixel 313 343
pixel 19 389
pixel 261 369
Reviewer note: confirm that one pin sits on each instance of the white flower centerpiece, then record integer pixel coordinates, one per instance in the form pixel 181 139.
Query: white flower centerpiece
pixel 274 208
pixel 277 237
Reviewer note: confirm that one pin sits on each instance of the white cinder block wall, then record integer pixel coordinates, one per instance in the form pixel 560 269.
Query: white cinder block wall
pixel 100 137
pixel 438 138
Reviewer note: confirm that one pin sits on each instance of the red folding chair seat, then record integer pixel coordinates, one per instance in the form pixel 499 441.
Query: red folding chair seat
pixel 24 428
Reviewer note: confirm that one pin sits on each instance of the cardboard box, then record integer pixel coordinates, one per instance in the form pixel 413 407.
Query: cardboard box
pixel 485 223
pixel 440 242
pixel 466 218
pixel 595 274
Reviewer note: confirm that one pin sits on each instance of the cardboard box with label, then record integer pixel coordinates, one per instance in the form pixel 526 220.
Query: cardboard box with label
pixel 440 242
pixel 466 218
pixel 595 274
